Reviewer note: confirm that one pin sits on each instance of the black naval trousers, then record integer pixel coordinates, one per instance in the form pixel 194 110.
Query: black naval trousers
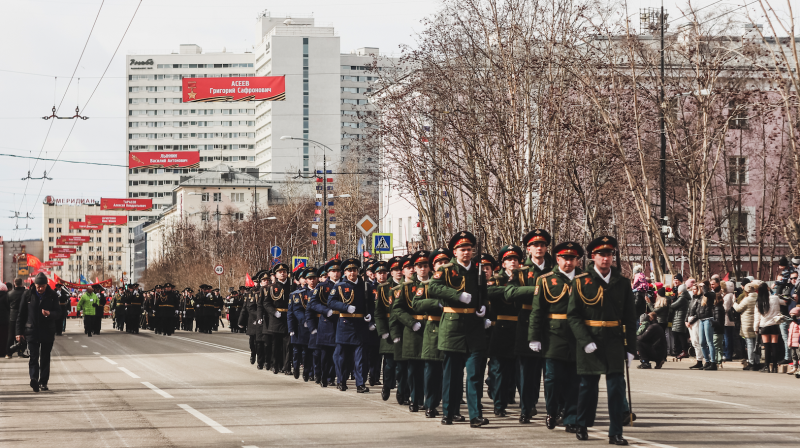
pixel 588 395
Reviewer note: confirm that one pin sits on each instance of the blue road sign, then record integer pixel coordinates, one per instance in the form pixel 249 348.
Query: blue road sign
pixel 275 251
pixel 382 243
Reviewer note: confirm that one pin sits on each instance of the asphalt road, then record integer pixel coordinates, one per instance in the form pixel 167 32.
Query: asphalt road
pixel 199 390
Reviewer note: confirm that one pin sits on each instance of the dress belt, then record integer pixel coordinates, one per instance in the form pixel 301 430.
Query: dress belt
pixel 388 314
pixel 436 318
pixel 418 316
pixel 334 312
pixel 602 323
pixel 350 315
pixel 527 307
pixel 557 316
pixel 282 310
pixel 448 309
pixel 511 318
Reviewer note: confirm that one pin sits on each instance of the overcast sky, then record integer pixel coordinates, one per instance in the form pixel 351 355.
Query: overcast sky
pixel 46 37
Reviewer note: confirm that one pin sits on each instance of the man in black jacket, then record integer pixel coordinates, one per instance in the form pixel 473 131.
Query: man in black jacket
pixel 14 298
pixel 39 312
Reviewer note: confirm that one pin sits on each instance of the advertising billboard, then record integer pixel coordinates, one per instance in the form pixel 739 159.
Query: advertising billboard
pixel 107 220
pixel 256 88
pixel 164 159
pixel 143 205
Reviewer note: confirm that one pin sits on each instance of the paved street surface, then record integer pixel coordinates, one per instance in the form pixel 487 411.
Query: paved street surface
pixel 199 390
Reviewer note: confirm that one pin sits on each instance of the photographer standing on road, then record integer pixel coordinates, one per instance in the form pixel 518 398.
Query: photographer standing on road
pixel 39 313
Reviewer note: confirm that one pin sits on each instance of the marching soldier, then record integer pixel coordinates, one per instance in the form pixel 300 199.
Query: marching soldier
pixel 529 363
pixel 234 308
pixel 248 318
pixel 461 330
pixel 601 314
pixel 168 309
pixel 272 313
pixel 298 327
pixel 218 302
pixel 326 325
pixel 374 355
pixel 351 298
pixel 118 309
pixel 383 307
pixel 549 333
pixel 200 309
pixel 403 393
pixel 187 308
pixel 432 309
pixel 133 308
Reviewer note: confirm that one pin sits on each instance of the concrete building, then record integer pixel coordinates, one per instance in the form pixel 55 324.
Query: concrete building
pixel 9 250
pixel 107 252
pixel 158 121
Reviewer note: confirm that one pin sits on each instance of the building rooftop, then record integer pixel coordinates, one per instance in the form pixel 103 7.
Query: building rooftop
pixel 223 175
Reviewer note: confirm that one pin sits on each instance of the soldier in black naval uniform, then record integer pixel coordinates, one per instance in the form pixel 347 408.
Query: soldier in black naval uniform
pixel 272 313
pixel 187 309
pixel 549 333
pixel 248 318
pixel 374 355
pixel 602 315
pixel 218 303
pixel 133 308
pixel 168 309
pixel 201 311
pixel 118 309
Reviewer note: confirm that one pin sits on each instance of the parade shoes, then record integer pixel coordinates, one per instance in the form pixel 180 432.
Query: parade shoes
pixel 617 440
pixel 362 389
pixel 385 391
pixel 478 422
pixel 550 421
pixel 581 433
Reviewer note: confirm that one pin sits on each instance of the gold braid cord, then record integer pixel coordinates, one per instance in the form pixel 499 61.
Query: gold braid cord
pixel 408 302
pixel 590 302
pixel 349 300
pixel 550 297
pixel 463 282
pixel 387 303
pixel 271 294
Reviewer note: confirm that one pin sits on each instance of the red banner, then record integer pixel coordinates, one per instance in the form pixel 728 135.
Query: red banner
pixel 105 284
pixel 162 159
pixel 54 256
pixel 107 220
pixel 76 238
pixel 259 88
pixel 84 226
pixel 64 250
pixel 143 205
pixel 50 264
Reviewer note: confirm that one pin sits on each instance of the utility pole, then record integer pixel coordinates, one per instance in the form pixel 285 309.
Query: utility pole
pixel 663 157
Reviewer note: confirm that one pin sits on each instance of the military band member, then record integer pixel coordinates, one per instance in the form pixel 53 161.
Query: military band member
pixel 529 363
pixel 118 310
pixel 272 313
pixel 187 307
pixel 133 308
pixel 601 314
pixel 235 308
pixel 248 319
pixel 166 305
pixel 200 308
pixel 432 309
pixel 218 302
pixel 549 333
pixel 461 331
pixel 298 327
pixel 352 299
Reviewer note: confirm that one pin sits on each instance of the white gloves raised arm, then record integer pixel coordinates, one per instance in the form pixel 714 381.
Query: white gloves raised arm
pixel 465 297
pixel 590 347
pixel 416 326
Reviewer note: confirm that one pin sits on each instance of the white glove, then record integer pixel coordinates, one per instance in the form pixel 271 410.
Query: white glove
pixel 385 336
pixel 440 305
pixel 277 314
pixel 330 313
pixel 465 297
pixel 259 321
pixel 351 309
pixel 486 324
pixel 372 327
pixel 416 326
pixel 481 312
pixel 305 324
pixel 535 346
pixel 590 347
pixel 314 331
pixel 291 333
pixel 208 295
pixel 630 358
pixel 241 326
pixel 396 340
pixel 367 318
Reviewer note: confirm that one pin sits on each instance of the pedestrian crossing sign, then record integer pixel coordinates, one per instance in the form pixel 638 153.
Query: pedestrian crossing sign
pixel 299 262
pixel 382 243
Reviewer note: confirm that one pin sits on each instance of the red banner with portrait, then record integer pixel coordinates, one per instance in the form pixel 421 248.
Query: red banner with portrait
pixel 253 88
pixel 142 205
pixel 107 220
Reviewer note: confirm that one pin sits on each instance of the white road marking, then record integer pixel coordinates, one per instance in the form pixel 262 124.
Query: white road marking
pixel 84 346
pixel 96 353
pixel 77 342
pixel 203 418
pixel 223 347
pixel 634 439
pixel 109 361
pixel 157 390
pixel 249 446
pixel 130 374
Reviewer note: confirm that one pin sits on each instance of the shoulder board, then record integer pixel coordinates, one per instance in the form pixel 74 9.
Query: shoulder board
pixel 425 282
pixel 582 275
pixel 497 276
pixel 546 274
pixel 398 287
pixel 384 284
pixel 446 265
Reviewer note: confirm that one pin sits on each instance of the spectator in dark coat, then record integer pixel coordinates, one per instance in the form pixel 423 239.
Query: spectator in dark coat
pixel 679 307
pixel 39 312
pixel 651 343
pixel 4 312
pixel 14 298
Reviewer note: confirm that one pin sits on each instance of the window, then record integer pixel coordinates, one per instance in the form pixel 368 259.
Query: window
pixel 50 221
pixel 51 230
pixel 204 216
pixel 737 112
pixel 739 223
pixel 238 216
pixel 204 197
pixel 217 197
pixel 737 170
pixel 237 197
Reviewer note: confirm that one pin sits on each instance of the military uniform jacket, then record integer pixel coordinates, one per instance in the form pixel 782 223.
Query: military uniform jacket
pixel 249 315
pixel 526 276
pixel 276 298
pixel 325 326
pixel 548 323
pixel 133 303
pixel 374 338
pixel 188 306
pixel 592 300
pixel 433 315
pixel 503 311
pixel 218 302
pixel 118 306
pixel 403 312
pixel 296 318
pixel 352 329
pixel 166 304
pixel 383 309
pixel 460 329
pixel 199 302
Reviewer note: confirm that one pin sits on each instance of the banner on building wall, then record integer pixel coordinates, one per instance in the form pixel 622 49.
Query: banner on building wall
pixel 50 264
pixel 55 256
pixel 107 220
pixel 142 205
pixel 74 225
pixel 72 240
pixel 164 159
pixel 256 88
pixel 64 250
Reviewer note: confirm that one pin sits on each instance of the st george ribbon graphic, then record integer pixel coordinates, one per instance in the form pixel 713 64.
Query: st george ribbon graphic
pixel 255 88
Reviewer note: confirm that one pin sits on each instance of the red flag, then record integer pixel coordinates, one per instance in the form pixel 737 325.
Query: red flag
pixel 300 265
pixel 51 283
pixel 33 262
pixel 727 276
pixel 96 280
pixel 248 281
pixel 58 280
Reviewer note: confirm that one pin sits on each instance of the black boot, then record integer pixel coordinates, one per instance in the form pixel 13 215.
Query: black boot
pixel 385 391
pixel 550 421
pixel 617 440
pixel 699 365
pixel 431 413
pixel 362 389
pixel 581 433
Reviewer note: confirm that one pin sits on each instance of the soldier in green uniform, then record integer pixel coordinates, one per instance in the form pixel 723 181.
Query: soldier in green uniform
pixel 413 323
pixel 602 315
pixel 549 333
pixel 432 309
pixel 504 314
pixel 529 363
pixel 383 308
pixel 118 308
pixel 461 331
pixel 397 329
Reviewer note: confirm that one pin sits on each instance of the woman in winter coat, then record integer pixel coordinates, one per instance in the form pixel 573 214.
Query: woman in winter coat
pixel 794 341
pixel 719 325
pixel 766 317
pixel 704 314
pixel 678 308
pixel 746 308
pixel 693 323
pixel 730 326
